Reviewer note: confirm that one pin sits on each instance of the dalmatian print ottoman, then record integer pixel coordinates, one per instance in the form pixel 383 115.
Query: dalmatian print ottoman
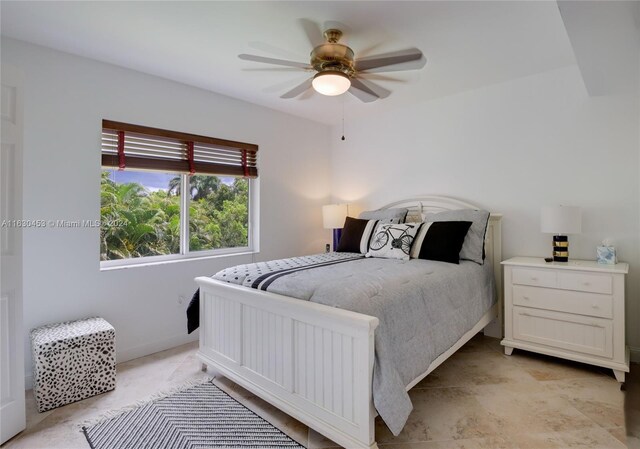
pixel 72 361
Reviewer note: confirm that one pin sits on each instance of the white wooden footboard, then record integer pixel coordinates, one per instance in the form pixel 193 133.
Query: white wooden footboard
pixel 312 361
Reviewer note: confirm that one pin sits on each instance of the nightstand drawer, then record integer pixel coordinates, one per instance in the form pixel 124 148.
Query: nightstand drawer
pixel 591 304
pixel 564 331
pixel 586 282
pixel 537 278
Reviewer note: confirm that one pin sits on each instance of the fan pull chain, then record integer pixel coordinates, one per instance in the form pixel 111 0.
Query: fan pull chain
pixel 342 118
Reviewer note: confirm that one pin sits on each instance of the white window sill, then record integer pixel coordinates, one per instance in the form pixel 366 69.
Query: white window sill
pixel 162 260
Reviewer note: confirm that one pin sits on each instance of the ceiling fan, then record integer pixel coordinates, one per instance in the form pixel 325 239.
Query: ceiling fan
pixel 339 71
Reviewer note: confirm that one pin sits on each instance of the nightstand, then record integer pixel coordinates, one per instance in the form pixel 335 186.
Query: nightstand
pixel 573 310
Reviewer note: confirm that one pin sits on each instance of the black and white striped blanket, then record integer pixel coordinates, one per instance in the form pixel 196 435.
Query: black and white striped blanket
pixel 261 275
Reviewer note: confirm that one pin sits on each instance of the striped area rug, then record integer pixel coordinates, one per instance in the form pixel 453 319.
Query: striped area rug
pixel 199 417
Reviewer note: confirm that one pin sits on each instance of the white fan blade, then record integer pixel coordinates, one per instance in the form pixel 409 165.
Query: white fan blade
pixel 306 84
pixel 255 58
pixel 385 62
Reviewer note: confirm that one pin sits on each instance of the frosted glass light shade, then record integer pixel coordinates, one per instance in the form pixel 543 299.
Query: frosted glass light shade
pixel 561 220
pixel 331 83
pixel 333 215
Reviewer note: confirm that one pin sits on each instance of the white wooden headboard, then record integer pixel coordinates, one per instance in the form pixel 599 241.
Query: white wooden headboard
pixel 420 205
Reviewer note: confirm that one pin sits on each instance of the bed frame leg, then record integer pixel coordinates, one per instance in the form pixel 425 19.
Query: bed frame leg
pixel 203 367
pixel 619 375
pixel 508 350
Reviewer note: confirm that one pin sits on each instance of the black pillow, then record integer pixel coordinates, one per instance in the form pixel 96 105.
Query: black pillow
pixel 356 234
pixel 442 240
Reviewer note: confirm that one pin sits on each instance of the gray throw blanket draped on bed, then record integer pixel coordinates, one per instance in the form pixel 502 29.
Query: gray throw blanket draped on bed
pixel 423 306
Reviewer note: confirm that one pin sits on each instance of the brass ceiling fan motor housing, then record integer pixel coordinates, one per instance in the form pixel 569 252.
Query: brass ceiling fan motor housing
pixel 332 56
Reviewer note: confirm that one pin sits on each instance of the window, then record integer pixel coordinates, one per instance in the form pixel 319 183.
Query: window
pixel 168 195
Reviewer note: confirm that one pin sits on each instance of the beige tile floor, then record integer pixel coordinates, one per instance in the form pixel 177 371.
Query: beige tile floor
pixel 479 398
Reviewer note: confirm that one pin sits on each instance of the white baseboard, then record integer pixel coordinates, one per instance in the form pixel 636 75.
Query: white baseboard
pixel 124 355
pixel 635 354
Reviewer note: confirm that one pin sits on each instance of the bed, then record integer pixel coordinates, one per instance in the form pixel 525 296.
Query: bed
pixel 315 361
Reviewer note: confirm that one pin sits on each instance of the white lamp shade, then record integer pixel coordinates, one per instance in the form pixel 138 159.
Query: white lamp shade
pixel 333 215
pixel 331 83
pixel 561 220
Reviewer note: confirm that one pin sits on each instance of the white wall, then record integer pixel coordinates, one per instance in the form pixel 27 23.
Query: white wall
pixel 66 97
pixel 510 148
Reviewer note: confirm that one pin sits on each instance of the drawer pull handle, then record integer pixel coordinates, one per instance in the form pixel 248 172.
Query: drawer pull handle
pixel 594 306
pixel 534 278
pixel 586 283
pixel 525 297
pixel 592 324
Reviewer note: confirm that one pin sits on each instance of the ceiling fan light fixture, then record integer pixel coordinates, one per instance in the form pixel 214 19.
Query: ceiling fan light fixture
pixel 331 83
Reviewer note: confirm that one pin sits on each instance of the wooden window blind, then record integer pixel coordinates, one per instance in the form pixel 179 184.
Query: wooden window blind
pixel 141 147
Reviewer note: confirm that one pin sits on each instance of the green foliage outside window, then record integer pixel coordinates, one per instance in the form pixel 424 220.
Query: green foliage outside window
pixel 140 222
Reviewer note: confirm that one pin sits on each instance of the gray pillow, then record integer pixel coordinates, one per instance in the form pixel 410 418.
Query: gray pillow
pixel 396 215
pixel 473 246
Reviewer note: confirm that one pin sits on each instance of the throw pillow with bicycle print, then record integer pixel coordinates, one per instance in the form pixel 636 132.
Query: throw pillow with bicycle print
pixel 393 241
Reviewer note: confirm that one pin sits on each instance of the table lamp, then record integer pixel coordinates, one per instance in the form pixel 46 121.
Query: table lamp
pixel 560 221
pixel 333 216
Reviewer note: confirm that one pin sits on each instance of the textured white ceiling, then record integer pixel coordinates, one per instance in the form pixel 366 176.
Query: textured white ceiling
pixel 467 44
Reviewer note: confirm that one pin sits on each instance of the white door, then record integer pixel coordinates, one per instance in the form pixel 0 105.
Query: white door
pixel 12 412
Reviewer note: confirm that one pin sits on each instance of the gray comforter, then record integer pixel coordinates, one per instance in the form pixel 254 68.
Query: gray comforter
pixel 423 306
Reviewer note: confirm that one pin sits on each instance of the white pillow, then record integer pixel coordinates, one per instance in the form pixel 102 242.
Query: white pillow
pixel 395 215
pixel 393 241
